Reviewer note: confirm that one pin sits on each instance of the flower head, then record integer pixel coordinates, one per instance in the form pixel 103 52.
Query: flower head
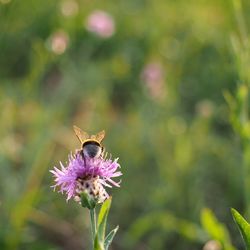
pixel 86 175
pixel 100 23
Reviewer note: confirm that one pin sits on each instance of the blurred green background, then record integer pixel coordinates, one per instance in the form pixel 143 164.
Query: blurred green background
pixel 155 81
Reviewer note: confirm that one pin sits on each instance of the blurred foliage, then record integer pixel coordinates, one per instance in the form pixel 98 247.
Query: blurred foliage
pixel 170 126
pixel 217 230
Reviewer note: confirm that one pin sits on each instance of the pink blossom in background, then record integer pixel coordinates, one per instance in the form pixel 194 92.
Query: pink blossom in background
pixel 152 73
pixel 100 23
pixel 205 108
pixel 153 76
pixel 58 42
pixel 69 8
pixel 212 245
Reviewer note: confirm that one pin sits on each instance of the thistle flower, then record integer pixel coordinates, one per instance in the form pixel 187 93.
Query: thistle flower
pixel 86 175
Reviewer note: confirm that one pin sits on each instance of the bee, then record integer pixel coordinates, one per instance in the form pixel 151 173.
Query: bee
pixel 91 145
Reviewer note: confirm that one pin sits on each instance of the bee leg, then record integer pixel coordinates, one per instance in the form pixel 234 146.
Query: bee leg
pixel 83 157
pixel 103 154
pixel 80 152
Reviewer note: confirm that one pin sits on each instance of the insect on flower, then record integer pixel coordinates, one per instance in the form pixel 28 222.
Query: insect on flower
pixel 91 145
pixel 88 170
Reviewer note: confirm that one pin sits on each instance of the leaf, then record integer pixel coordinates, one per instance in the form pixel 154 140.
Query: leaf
pixel 102 219
pixel 243 225
pixel 109 238
pixel 97 244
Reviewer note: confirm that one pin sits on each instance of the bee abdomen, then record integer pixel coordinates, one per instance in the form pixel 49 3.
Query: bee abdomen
pixel 92 150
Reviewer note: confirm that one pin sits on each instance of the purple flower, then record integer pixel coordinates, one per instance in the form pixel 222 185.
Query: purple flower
pixel 100 23
pixel 88 175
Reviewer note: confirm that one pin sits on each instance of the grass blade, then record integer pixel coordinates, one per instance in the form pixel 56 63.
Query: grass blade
pixel 110 237
pixel 243 225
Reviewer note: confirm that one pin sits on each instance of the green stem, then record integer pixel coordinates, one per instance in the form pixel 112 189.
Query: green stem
pixel 93 224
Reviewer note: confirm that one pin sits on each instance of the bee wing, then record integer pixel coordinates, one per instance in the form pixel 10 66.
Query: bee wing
pixel 81 135
pixel 100 136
